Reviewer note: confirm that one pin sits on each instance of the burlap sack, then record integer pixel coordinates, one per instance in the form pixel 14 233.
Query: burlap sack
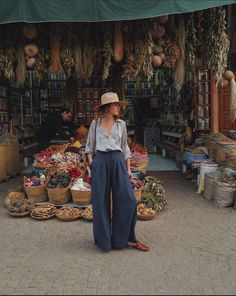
pixel 224 194
pixel 3 162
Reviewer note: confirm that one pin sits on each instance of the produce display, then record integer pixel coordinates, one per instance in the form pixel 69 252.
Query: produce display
pixel 35 181
pixel 67 158
pixel 225 178
pixel 144 212
pixel 139 157
pixel 13 195
pixel 59 180
pixel 87 214
pixel 68 213
pixel 79 184
pixel 136 183
pixel 43 211
pixel 19 206
pixel 153 194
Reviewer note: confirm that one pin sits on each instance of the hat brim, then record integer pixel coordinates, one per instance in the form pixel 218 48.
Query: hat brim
pixel 121 103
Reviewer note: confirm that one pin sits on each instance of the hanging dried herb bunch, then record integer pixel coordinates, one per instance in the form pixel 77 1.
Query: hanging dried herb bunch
pixel 55 44
pixel 77 51
pixel 8 52
pixel 66 52
pixel 198 19
pixel 190 47
pixel 139 48
pixel 216 41
pixel 42 63
pixel 146 49
pixel 129 68
pixel 107 49
pixel 87 53
pixel 21 67
pixel 180 68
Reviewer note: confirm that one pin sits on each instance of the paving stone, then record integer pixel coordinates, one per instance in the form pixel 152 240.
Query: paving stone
pixel 192 251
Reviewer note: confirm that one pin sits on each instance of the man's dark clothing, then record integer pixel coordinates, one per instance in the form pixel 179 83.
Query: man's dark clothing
pixel 53 126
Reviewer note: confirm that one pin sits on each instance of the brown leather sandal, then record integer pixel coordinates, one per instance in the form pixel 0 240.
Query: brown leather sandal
pixel 138 246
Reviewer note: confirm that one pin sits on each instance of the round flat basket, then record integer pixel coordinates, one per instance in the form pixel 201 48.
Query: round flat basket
pixel 43 217
pixel 19 215
pixel 68 218
pixel 87 218
pixel 145 217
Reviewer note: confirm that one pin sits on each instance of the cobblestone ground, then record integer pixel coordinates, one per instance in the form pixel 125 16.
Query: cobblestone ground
pixel 193 251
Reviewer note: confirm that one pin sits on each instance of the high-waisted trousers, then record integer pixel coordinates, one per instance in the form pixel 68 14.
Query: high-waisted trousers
pixel 109 174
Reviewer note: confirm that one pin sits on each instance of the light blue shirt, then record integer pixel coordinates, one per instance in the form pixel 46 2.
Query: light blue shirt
pixel 116 140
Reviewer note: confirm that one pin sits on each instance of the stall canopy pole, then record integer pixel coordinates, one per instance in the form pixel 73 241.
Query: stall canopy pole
pixel 97 10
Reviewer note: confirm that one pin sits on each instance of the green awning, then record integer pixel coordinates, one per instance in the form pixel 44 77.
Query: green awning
pixel 97 10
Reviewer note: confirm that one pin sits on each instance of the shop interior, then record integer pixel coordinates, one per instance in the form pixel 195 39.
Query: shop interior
pixel 53 69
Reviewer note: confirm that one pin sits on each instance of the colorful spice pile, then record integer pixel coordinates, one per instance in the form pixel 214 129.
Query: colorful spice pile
pixel 35 181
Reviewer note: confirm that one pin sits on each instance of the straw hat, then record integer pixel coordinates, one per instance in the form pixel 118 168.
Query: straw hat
pixel 109 98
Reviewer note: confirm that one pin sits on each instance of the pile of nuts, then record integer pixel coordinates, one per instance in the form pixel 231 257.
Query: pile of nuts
pixel 68 213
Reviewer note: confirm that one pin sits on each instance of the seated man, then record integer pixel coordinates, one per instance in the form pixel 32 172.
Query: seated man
pixel 58 123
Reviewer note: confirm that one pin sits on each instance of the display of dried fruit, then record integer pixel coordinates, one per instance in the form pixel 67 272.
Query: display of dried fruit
pixel 19 205
pixel 59 180
pixel 68 213
pixel 43 211
pixel 87 214
pixel 144 212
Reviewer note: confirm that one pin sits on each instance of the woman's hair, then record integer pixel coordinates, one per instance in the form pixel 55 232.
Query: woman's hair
pixel 103 110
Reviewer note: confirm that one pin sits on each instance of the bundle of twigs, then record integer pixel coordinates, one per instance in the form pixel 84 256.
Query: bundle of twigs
pixel 180 67
pixel 21 67
pixel 67 52
pixel 55 43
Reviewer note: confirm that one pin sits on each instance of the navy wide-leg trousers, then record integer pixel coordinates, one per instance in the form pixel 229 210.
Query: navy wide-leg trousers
pixel 109 174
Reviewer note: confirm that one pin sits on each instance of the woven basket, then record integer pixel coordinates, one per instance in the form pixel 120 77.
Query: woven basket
pixel 145 217
pixel 73 218
pixel 18 215
pixel 36 193
pixel 81 197
pixel 59 196
pixel 138 193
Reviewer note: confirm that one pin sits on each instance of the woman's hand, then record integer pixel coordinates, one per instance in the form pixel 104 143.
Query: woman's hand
pixel 90 159
pixel 129 173
pixel 128 168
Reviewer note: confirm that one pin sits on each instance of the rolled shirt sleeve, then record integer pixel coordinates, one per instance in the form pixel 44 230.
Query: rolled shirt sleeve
pixel 89 148
pixel 124 144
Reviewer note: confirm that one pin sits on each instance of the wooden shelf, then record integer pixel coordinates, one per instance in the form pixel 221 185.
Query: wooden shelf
pixel 200 129
pixel 172 134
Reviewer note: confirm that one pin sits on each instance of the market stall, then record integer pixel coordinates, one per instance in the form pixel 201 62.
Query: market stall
pixel 60 187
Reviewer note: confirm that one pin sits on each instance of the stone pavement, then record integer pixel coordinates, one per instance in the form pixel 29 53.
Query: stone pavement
pixel 193 251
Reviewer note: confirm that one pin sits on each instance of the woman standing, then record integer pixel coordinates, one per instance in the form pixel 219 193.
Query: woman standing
pixel 108 156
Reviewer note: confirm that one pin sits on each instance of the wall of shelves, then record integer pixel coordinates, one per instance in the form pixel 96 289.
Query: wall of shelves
pixel 4 107
pixel 88 97
pixel 202 100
